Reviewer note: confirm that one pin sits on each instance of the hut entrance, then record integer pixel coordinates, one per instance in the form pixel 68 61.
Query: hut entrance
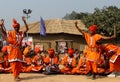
pixel 62 45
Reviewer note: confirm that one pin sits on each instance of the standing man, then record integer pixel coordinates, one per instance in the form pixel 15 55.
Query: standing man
pixel 15 38
pixel 93 54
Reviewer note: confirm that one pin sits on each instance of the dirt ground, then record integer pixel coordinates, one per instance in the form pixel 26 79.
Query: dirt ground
pixel 36 77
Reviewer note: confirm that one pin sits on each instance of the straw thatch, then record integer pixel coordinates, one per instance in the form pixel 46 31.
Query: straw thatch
pixel 55 26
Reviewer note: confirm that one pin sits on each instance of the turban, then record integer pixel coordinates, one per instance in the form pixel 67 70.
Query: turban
pixel 15 24
pixel 37 50
pixel 93 28
pixel 51 51
pixel 70 51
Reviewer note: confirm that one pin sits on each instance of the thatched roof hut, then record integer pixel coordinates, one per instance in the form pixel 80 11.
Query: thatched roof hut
pixel 55 26
pixel 58 32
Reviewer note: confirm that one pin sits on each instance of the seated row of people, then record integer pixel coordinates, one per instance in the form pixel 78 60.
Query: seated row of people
pixel 36 61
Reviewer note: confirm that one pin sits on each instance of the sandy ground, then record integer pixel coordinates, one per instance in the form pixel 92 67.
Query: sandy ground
pixel 36 77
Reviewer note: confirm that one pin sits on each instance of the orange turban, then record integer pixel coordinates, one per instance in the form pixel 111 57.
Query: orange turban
pixel 93 28
pixel 51 51
pixel 37 50
pixel 4 49
pixel 70 51
pixel 15 24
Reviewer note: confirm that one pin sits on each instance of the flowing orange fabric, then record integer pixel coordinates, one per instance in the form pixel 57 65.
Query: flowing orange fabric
pixel 110 47
pixel 16 68
pixel 28 60
pixel 100 62
pixel 115 62
pixel 92 53
pixel 113 57
pixel 14 43
pixel 15 56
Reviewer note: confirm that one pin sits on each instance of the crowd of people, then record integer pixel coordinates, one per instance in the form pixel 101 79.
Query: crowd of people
pixel 96 58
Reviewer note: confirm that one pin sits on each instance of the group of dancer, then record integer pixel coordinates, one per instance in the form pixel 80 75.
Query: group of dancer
pixel 96 59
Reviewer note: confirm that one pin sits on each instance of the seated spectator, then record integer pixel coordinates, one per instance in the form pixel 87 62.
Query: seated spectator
pixel 68 62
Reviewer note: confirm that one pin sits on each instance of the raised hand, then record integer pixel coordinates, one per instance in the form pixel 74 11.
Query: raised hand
pixel 76 23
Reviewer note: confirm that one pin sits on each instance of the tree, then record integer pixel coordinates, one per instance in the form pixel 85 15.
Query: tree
pixel 104 18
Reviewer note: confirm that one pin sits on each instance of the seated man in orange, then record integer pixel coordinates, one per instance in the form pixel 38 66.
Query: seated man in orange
pixel 81 68
pixel 69 62
pixel 38 61
pixel 27 58
pixel 51 62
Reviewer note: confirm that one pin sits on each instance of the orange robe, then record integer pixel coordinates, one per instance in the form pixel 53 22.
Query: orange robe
pixel 1 65
pixel 52 64
pixel 51 61
pixel 27 65
pixel 114 59
pixel 101 69
pixel 92 53
pixel 67 60
pixel 115 62
pixel 81 68
pixel 15 57
pixel 39 62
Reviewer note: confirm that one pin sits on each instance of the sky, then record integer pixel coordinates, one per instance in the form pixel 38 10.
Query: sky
pixel 48 9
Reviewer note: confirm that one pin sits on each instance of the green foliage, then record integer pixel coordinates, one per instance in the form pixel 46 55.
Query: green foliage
pixel 104 18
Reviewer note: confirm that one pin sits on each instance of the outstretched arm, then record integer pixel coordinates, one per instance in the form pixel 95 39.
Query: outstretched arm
pixel 113 36
pixel 24 20
pixel 79 28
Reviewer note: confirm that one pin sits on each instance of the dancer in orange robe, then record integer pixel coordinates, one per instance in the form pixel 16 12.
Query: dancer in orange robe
pixel 93 55
pixel 69 62
pixel 15 40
